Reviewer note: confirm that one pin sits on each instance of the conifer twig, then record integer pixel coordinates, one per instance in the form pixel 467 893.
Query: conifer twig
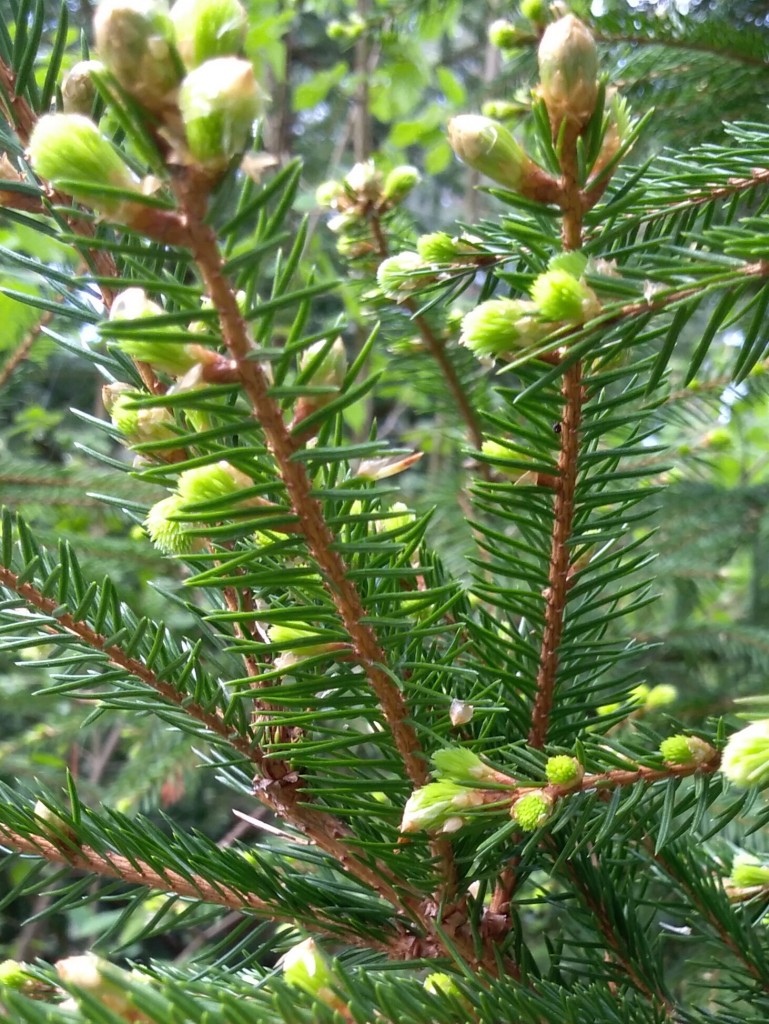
pixel 327 831
pixel 436 348
pixel 22 350
pixel 138 872
pixel 563 513
pixel 344 594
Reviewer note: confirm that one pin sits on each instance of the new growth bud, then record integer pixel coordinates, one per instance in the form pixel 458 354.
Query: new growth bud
pixel 298 644
pixel 169 536
pixel 504 34
pixel 307 967
pixel 686 750
pixel 439 247
pixel 745 760
pixel 399 182
pixel 169 356
pixel 748 872
pixel 55 828
pixel 440 982
pixel 99 979
pixel 219 102
pixel 140 425
pixel 328 192
pixel 458 764
pixel 134 38
pixel 532 810
pixel 559 296
pixel 660 696
pixel 402 273
pixel 563 770
pixel 534 10
pixel 568 69
pixel 211 483
pixel 330 371
pixel 502 110
pixel 439 806
pixel 67 149
pixel 206 29
pixel 487 146
pixel 500 326
pixel 78 91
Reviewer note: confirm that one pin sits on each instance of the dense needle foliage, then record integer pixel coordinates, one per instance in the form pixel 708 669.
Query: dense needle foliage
pixel 338 682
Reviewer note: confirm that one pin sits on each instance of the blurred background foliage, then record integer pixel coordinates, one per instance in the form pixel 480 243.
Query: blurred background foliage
pixel 350 81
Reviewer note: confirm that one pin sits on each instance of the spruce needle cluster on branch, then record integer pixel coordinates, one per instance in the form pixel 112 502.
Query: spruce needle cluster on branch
pixel 463 801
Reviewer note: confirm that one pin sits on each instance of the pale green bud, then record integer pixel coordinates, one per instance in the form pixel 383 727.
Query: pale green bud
pixel 745 760
pixel 364 180
pixel 219 102
pixel 560 296
pixel 488 147
pixel 68 148
pixel 439 806
pixel 135 38
pixel 399 182
pixel 402 273
pixel 332 369
pixel 458 764
pixel 573 262
pixel 307 967
pixel 78 91
pixel 748 872
pixel 297 644
pixel 534 10
pixel 140 425
pixel 532 810
pixel 500 326
pixel 13 974
pixel 398 517
pixel 504 34
pixel 210 483
pixel 568 68
pixel 661 696
pixel 99 979
pixel 170 537
pixel 504 460
pixel 502 110
pixel 437 247
pixel 169 356
pixel 686 750
pixel 327 193
pixel 206 29
pixel 563 770
pixel 440 982
pixel 55 828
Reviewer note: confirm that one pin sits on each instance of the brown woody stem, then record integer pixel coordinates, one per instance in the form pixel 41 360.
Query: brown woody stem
pixel 344 594
pixel 137 872
pixel 563 514
pixel 435 347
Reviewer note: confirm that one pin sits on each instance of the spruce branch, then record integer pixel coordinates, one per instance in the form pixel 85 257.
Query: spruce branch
pixel 22 350
pixel 23 119
pixel 330 834
pixel 435 347
pixel 194 887
pixel 118 657
pixel 191 193
pixel 568 457
pixel 708 913
pixel 618 950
